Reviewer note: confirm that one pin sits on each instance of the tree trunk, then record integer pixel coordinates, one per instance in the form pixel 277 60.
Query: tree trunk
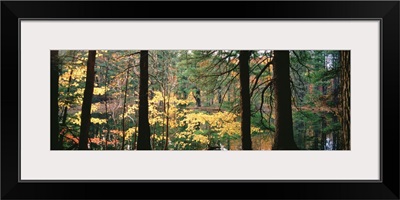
pixel 299 136
pixel 144 127
pixel 336 143
pixel 154 137
pixel 283 139
pixel 197 97
pixel 219 95
pixel 135 135
pixel 345 98
pixel 323 133
pixel 55 132
pixel 123 113
pixel 64 121
pixel 245 99
pixel 316 137
pixel 87 101
pixel 305 136
pixel 167 126
pixel 106 107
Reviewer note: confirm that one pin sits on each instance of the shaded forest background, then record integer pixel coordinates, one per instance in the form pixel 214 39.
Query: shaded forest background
pixel 200 100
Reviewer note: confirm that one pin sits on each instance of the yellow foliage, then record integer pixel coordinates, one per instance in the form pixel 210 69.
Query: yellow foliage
pixel 98 121
pixel 95 107
pixel 78 75
pixel 158 138
pixel 200 138
pixel 99 90
pixel 77 119
pixel 130 132
pixel 222 122
pixel 189 136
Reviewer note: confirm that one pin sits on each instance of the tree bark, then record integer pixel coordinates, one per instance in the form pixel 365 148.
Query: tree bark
pixel 144 127
pixel 283 139
pixel 323 133
pixel 106 107
pixel 316 137
pixel 55 132
pixel 219 95
pixel 345 98
pixel 336 143
pixel 123 113
pixel 167 128
pixel 64 120
pixel 197 97
pixel 245 99
pixel 87 102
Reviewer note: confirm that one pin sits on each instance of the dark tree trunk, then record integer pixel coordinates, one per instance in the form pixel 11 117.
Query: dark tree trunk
pixel 219 95
pixel 64 121
pixel 87 102
pixel 244 58
pixel 197 97
pixel 153 140
pixel 345 98
pixel 305 136
pixel 55 132
pixel 135 135
pixel 336 143
pixel 283 139
pixel 316 137
pixel 123 112
pixel 299 136
pixel 323 133
pixel 144 127
pixel 106 106
pixel 167 127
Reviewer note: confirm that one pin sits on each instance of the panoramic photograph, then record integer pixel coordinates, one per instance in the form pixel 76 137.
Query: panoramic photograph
pixel 200 100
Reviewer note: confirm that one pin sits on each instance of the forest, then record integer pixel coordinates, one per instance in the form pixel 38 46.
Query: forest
pixel 200 100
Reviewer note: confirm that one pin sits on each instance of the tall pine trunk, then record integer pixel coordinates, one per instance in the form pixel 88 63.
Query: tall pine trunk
pixel 345 98
pixel 87 102
pixel 245 99
pixel 144 127
pixel 54 101
pixel 283 139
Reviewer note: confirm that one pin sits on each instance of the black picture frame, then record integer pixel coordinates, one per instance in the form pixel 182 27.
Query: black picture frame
pixel 386 11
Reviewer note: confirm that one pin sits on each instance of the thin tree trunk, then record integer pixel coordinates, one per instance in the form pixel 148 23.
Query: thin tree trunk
pixel 245 99
pixel 219 95
pixel 105 104
pixel 316 137
pixel 283 139
pixel 197 97
pixel 305 136
pixel 164 111
pixel 345 98
pixel 55 132
pixel 64 121
pixel 167 127
pixel 135 141
pixel 336 143
pixel 323 133
pixel 154 136
pixel 123 113
pixel 144 127
pixel 87 102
